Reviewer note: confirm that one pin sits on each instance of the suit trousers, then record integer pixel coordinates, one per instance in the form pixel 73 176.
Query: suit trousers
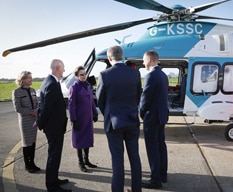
pixel 116 140
pixel 55 145
pixel 156 151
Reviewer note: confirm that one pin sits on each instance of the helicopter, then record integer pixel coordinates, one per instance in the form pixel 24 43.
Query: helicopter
pixel 197 54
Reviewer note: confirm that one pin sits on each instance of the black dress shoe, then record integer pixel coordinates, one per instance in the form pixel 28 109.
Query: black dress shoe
pixel 63 190
pixel 35 167
pixel 62 181
pixel 89 164
pixel 151 185
pixel 30 169
pixel 82 167
pixel 59 189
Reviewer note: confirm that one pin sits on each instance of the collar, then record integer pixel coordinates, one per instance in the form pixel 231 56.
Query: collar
pixel 154 67
pixel 55 78
pixel 119 63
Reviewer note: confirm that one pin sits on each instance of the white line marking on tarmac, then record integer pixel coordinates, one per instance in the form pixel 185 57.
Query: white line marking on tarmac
pixel 8 178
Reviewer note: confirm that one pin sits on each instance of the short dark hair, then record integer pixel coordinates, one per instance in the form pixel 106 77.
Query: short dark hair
pixel 152 54
pixel 115 52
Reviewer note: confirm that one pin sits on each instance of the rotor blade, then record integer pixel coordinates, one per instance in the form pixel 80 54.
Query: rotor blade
pixel 206 6
pixel 79 35
pixel 147 4
pixel 209 17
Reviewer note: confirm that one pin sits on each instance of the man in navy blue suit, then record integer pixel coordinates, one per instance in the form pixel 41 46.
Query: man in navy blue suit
pixel 118 95
pixel 52 120
pixel 154 112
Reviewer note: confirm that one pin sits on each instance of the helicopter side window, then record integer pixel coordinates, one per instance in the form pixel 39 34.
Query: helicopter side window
pixel 209 74
pixel 205 78
pixel 222 42
pixel 227 78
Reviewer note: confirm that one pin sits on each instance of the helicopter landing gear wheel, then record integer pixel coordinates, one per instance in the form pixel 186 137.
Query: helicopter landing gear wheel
pixel 229 132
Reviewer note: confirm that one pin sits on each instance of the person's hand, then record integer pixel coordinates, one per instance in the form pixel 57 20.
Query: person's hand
pixel 74 124
pixel 33 113
pixel 34 125
pixel 95 117
pixel 141 115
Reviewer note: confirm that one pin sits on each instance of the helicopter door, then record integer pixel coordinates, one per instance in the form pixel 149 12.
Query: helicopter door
pixel 206 92
pixel 88 66
pixel 89 62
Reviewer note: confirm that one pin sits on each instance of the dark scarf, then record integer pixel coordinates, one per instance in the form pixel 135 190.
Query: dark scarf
pixel 29 94
pixel 84 84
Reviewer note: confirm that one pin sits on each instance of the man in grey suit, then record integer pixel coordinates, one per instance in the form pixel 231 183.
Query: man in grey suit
pixel 53 120
pixel 118 95
pixel 154 112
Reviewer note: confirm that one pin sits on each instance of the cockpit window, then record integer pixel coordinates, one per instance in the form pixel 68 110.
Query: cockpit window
pixel 98 67
pixel 70 80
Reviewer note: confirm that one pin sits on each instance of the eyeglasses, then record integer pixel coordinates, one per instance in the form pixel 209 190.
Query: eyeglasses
pixel 82 74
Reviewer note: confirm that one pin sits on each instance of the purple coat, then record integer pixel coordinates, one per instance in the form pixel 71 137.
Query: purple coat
pixel 82 109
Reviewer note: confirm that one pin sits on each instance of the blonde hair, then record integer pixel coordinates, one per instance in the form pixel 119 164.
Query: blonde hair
pixel 23 75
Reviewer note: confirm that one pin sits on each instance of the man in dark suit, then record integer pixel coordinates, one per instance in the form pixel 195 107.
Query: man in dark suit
pixel 118 95
pixel 53 120
pixel 154 112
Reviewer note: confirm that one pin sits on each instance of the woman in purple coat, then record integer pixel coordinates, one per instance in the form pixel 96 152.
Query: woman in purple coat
pixel 82 114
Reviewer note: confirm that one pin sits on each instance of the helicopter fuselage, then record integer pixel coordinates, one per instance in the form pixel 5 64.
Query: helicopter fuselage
pixel 203 51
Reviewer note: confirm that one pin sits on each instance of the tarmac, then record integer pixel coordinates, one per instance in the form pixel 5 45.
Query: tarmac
pixel 192 166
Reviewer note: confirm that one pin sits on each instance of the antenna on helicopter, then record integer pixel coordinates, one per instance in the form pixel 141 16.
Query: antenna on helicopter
pixel 118 41
pixel 123 40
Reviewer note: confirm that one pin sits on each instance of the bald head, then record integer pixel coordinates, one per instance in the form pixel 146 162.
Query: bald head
pixel 57 68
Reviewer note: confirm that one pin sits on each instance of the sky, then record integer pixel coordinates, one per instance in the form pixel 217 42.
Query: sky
pixel 26 21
